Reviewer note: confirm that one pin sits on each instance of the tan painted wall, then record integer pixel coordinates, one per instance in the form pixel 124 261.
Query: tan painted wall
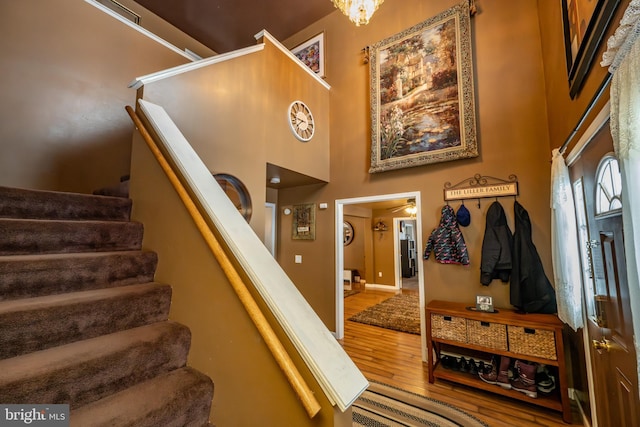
pixel 234 114
pixel 64 75
pixel 284 83
pixel 372 252
pixel 48 83
pixel 73 89
pixel 563 112
pixel 250 389
pixel 166 31
pixel 364 237
pixel 511 125
pixel 315 275
pixel 384 253
pixel 354 253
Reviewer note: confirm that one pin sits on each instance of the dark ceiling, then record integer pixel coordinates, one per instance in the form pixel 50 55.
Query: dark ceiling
pixel 226 25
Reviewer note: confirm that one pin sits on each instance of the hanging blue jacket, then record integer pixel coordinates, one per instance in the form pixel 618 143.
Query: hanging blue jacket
pixel 446 240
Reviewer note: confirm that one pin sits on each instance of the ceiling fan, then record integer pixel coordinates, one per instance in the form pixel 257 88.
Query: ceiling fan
pixel 409 206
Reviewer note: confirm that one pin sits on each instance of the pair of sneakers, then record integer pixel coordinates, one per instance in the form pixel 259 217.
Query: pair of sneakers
pixel 462 364
pixel 468 365
pixel 450 362
pixel 545 380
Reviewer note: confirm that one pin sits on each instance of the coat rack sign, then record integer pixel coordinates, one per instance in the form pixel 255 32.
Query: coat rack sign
pixel 479 186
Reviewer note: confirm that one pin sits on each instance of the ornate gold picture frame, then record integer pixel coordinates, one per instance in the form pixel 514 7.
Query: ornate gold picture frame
pixel 304 222
pixel 422 94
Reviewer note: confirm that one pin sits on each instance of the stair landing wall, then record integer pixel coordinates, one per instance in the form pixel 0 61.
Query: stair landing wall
pixel 225 344
pixel 64 127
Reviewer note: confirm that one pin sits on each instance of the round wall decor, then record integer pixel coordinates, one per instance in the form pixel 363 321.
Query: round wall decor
pixel 301 121
pixel 348 233
pixel 237 193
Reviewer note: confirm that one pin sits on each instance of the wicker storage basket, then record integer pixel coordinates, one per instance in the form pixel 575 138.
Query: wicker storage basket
pixel 487 334
pixel 449 327
pixel 532 342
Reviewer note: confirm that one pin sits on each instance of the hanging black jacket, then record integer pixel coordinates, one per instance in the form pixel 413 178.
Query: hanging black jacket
pixel 496 247
pixel 531 290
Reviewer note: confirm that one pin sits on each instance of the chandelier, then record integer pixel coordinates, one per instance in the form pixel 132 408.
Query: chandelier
pixel 358 11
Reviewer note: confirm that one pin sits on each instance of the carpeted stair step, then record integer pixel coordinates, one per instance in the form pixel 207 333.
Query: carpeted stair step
pixel 23 276
pixel 175 399
pixel 89 370
pixel 34 324
pixel 38 204
pixel 19 237
pixel 120 190
pixel 81 320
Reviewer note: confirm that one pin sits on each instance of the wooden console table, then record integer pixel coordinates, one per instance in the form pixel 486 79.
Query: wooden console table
pixel 452 327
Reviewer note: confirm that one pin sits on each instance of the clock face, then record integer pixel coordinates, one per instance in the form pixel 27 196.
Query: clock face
pixel 348 233
pixel 301 121
pixel 237 193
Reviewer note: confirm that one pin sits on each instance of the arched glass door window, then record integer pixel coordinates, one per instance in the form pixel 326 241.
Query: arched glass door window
pixel 608 186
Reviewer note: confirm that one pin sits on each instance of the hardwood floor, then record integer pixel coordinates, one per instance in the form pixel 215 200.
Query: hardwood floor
pixel 395 358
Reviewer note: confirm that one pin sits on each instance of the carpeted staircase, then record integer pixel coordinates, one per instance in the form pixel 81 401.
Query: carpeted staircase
pixel 81 319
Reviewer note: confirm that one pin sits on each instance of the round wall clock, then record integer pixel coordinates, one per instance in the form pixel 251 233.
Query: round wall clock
pixel 237 193
pixel 348 233
pixel 301 121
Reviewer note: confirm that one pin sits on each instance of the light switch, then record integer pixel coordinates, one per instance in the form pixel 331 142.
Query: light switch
pixel 323 206
pixel 298 259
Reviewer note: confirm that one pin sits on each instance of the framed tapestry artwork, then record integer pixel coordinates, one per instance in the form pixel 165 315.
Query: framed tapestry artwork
pixel 584 22
pixel 304 222
pixel 311 53
pixel 422 94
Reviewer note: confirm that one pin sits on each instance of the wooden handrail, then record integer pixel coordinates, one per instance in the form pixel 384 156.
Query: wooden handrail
pixel 283 359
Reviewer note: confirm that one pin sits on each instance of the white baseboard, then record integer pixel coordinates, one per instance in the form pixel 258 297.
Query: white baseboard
pixel 381 287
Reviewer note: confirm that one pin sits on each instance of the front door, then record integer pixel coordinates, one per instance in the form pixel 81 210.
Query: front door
pixel 595 177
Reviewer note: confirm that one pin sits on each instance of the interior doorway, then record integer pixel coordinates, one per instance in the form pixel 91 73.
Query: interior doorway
pixel 339 261
pixel 270 227
pixel 406 250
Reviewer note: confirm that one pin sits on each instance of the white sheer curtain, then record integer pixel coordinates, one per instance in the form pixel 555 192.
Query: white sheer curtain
pixel 564 245
pixel 623 58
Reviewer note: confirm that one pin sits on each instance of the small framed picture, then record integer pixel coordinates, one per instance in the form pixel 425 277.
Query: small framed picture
pixel 304 222
pixel 311 53
pixel 484 303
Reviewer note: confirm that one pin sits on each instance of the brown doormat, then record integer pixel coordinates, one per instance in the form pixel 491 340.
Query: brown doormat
pixel 399 313
pixel 384 405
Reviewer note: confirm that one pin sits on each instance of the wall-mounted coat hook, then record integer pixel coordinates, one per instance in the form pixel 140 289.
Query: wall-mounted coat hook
pixel 481 187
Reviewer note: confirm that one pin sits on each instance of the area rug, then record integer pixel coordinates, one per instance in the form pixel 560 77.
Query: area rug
pixel 399 313
pixel 382 405
pixel 348 293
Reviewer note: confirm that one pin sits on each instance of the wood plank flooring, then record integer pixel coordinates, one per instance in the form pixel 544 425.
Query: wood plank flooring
pixel 395 358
